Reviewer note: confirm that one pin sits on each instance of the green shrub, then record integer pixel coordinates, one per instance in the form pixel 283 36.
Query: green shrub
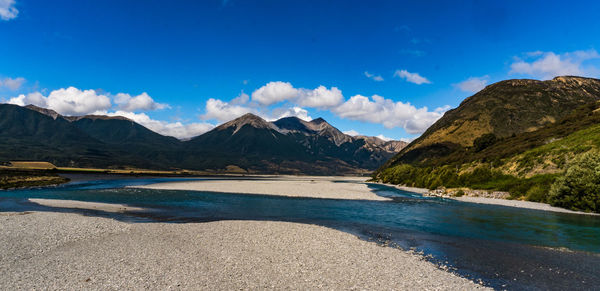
pixel 579 187
pixel 537 193
pixel 459 193
pixel 482 178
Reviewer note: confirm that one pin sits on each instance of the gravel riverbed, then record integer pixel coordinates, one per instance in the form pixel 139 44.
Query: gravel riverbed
pixel 47 250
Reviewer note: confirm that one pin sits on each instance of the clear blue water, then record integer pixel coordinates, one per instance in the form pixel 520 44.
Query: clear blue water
pixel 505 247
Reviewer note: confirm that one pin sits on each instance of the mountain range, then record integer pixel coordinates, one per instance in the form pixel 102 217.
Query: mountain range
pixel 248 144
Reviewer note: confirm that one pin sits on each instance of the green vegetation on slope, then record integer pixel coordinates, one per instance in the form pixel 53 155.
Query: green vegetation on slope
pixel 527 175
pixel 482 177
pixel 557 153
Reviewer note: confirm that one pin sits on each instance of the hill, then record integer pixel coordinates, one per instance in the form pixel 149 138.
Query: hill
pixel 29 135
pixel 486 144
pixel 502 109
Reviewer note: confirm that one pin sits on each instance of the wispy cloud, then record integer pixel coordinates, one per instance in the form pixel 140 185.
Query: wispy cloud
pixel 12 83
pixel 411 77
pixel 404 28
pixel 177 129
pixel 416 40
pixel 473 84
pixel 8 10
pixel 376 78
pixel 546 65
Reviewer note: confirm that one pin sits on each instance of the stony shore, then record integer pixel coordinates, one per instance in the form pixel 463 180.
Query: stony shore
pixel 61 251
pixel 352 188
pixel 520 204
pixel 493 201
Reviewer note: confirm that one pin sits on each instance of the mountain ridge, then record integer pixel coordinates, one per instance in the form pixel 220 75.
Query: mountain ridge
pixel 248 142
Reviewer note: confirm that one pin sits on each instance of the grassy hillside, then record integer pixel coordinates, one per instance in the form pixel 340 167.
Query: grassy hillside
pixel 28 178
pixel 528 164
pixel 504 109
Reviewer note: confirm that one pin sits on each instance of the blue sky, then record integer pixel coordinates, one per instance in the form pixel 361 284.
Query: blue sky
pixel 385 67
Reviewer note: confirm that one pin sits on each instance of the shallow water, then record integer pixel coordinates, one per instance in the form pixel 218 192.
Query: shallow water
pixel 505 247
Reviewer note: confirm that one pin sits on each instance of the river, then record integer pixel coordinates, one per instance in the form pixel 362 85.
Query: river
pixel 503 247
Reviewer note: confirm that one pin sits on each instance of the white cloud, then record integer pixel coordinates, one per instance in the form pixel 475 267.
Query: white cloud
pixel 225 111
pixel 35 98
pixel 8 10
pixel 411 77
pixel 389 113
pixel 289 112
pixel 320 97
pixel 473 84
pixel 176 129
pixel 72 101
pixel 351 132
pixel 547 65
pixel 142 102
pixel 375 109
pixel 376 78
pixel 12 84
pixel 274 92
pixel 69 101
